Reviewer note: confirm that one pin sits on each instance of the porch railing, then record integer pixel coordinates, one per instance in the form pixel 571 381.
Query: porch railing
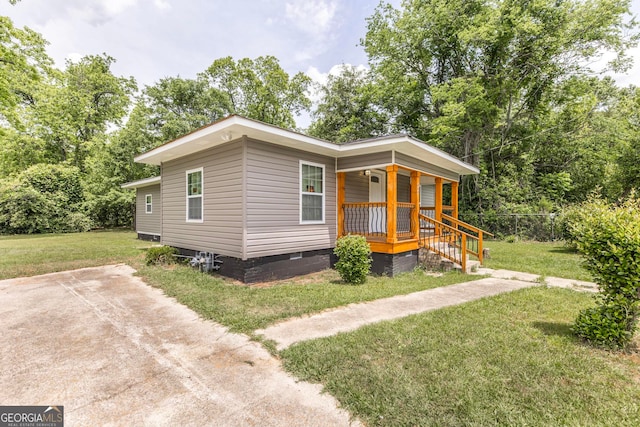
pixel 370 219
pixel 475 232
pixel 445 240
pixel 404 219
pixel 366 219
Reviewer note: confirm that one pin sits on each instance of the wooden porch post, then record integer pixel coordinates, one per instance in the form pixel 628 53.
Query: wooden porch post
pixel 415 201
pixel 454 199
pixel 439 199
pixel 392 203
pixel 340 198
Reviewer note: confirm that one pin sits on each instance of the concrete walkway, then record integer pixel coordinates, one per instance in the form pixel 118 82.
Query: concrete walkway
pixel 353 316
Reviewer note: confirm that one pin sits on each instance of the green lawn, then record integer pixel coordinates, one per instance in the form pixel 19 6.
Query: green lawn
pixel 507 360
pixel 544 258
pixel 245 308
pixel 47 253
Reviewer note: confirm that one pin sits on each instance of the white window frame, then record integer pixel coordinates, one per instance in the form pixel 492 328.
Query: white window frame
pixel 201 195
pixel 148 205
pixel 315 193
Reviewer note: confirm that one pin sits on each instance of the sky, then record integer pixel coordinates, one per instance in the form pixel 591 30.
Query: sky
pixel 152 39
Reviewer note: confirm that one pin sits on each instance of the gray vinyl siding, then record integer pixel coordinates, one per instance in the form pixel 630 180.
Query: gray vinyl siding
pixel 404 188
pixel 221 229
pixel 149 223
pixel 273 202
pixel 410 162
pixel 356 187
pixel 428 195
pixel 366 160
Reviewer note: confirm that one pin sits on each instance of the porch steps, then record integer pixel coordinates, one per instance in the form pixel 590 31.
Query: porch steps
pixel 432 260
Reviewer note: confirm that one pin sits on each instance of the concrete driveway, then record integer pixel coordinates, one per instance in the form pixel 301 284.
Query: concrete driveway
pixel 115 351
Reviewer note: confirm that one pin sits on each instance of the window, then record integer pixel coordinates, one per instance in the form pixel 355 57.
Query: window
pixel 311 193
pixel 147 203
pixel 194 195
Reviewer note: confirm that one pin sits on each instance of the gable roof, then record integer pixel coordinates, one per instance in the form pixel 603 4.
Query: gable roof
pixel 234 127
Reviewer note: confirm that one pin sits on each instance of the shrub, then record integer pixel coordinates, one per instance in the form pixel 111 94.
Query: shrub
pixel 606 325
pixel 354 259
pixel 609 239
pixel 160 255
pixel 77 222
pixel 113 209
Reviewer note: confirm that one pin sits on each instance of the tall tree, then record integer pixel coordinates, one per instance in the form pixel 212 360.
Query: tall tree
pixel 348 108
pixel 260 89
pixel 476 77
pixel 80 104
pixel 23 63
pixel 175 106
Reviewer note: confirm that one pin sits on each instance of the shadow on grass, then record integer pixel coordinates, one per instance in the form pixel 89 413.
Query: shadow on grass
pixel 564 250
pixel 554 328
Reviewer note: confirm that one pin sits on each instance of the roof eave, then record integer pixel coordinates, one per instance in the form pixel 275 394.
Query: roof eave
pixel 142 183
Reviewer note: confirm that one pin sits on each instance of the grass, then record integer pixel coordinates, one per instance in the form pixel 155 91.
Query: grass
pixel 506 360
pixel 47 253
pixel 245 309
pixel 543 258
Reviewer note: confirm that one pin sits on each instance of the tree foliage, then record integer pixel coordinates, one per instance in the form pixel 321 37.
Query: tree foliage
pixel 348 109
pixel 499 83
pixel 260 89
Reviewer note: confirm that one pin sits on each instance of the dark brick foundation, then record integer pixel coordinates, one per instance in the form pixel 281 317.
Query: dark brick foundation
pixel 277 267
pixel 149 237
pixel 274 267
pixel 393 264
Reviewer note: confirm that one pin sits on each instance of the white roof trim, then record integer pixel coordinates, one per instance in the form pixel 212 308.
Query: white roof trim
pixel 142 182
pixel 235 127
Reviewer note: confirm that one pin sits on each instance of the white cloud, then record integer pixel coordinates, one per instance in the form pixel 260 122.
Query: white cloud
pixel 314 17
pixel 114 7
pixel 162 4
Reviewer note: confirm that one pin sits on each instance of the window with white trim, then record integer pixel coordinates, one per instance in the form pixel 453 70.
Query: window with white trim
pixel 311 193
pixel 147 204
pixel 194 195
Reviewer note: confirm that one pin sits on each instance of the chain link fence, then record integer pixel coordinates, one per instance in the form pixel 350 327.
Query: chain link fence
pixel 541 226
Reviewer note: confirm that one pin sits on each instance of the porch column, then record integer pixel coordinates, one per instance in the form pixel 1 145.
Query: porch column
pixel 454 199
pixel 415 201
pixel 340 177
pixel 439 199
pixel 392 204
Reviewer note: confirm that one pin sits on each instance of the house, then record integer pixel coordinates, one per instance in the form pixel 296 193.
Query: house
pixel 272 202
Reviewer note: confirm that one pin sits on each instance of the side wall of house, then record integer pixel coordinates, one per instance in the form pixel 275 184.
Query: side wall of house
pixel 221 230
pixel 149 224
pixel 273 202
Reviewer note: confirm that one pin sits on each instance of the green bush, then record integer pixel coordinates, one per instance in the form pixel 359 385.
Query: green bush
pixel 609 239
pixel 113 209
pixel 160 255
pixel 606 325
pixel 43 199
pixel 354 259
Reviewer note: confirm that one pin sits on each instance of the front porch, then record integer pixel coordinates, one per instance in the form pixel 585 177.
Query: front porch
pixel 399 210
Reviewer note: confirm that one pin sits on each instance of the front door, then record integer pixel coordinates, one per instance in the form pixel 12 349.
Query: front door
pixel 377 194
